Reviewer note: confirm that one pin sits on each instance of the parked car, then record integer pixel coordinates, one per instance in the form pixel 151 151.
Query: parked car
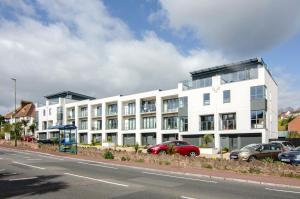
pixel 181 147
pixel 253 152
pixel 291 157
pixel 28 138
pixel 287 146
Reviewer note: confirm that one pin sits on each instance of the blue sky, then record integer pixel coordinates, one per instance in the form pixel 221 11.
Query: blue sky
pixel 140 45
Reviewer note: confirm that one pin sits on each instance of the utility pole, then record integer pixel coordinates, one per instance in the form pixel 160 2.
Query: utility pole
pixel 15 92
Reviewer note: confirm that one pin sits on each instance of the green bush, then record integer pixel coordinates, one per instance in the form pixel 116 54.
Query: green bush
pixel 225 149
pixel 268 160
pixel 136 147
pixel 108 155
pixel 206 165
pixel 254 170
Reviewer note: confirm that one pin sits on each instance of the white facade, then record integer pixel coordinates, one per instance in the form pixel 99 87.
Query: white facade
pixel 157 121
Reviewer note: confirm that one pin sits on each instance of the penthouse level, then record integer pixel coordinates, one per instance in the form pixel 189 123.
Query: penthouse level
pixel 235 103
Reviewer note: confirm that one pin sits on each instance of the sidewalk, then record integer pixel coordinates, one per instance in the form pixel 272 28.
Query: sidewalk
pixel 209 173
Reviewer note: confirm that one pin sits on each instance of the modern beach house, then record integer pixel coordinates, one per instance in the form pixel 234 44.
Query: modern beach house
pixel 236 103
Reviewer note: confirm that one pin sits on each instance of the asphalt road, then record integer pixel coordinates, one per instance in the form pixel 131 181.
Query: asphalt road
pixel 35 175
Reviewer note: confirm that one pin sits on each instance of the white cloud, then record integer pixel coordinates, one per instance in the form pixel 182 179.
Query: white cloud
pixel 84 49
pixel 237 28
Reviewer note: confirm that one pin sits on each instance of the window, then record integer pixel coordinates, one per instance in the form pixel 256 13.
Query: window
pixel 149 123
pixel 258 119
pixel 207 122
pixel 83 112
pixel 206 99
pixel 148 106
pixel 44 112
pixel 183 124
pixel 129 124
pixel 99 111
pixel 246 74
pixel 50 110
pixel 228 121
pixel 129 109
pixel 170 105
pixel 83 125
pixel 98 124
pixel 258 92
pixel 226 96
pixel 112 123
pixel 170 122
pixel 112 109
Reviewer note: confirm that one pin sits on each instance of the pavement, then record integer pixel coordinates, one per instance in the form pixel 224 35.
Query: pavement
pixel 26 174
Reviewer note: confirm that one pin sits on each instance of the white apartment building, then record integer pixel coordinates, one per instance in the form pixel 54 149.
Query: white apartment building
pixel 235 103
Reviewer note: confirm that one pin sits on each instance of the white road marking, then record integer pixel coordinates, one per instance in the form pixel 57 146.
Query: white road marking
pixel 28 165
pixel 46 156
pixel 185 197
pixel 280 190
pixel 26 157
pixel 179 177
pixel 99 180
pixel 34 159
pixel 2 169
pixel 18 179
pixel 98 165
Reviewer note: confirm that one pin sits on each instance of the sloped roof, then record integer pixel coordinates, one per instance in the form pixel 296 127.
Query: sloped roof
pixel 27 109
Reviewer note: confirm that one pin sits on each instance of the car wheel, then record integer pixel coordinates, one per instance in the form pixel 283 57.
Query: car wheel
pixel 162 152
pixel 192 154
pixel 251 158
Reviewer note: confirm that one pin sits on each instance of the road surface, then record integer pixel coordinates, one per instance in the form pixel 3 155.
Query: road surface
pixel 36 175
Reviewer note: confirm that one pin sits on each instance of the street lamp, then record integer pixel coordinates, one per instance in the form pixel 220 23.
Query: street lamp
pixel 15 92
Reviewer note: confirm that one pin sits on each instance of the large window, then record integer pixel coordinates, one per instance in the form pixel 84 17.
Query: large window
pixel 83 112
pixel 112 124
pixel 170 122
pixel 98 111
pixel 129 109
pixel 112 109
pixel 183 124
pixel 129 124
pixel 258 119
pixel 170 105
pixel 98 124
pixel 226 96
pixel 228 121
pixel 206 99
pixel 149 123
pixel 258 92
pixel 83 125
pixel 246 74
pixel 207 122
pixel 198 83
pixel 148 106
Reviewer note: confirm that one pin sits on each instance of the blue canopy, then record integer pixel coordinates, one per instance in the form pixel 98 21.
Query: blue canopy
pixel 64 127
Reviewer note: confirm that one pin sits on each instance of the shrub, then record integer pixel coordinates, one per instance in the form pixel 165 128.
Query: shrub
pixel 171 149
pixel 108 155
pixel 268 160
pixel 167 163
pixel 136 147
pixel 225 150
pixel 254 170
pixel 140 160
pixel 206 165
pixel 123 158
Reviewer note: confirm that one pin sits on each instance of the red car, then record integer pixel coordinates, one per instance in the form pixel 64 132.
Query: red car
pixel 28 138
pixel 181 147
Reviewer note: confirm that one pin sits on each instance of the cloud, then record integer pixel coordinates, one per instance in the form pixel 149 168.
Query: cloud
pixel 73 45
pixel 237 28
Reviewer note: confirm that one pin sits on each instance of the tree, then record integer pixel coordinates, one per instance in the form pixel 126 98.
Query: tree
pixel 14 130
pixel 207 138
pixel 24 124
pixel 2 122
pixel 32 128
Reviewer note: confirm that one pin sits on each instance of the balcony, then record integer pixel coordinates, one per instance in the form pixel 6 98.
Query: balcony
pixel 170 110
pixel 83 115
pixel 149 108
pixel 71 117
pixel 194 84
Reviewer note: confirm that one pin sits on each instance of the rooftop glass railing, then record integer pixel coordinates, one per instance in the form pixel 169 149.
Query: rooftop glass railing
pixel 199 83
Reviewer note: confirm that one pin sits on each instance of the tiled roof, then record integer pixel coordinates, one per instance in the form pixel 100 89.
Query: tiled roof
pixel 27 109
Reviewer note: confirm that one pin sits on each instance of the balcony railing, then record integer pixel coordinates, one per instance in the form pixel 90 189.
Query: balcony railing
pixel 170 110
pixel 83 114
pixel 148 108
pixel 111 113
pixel 199 83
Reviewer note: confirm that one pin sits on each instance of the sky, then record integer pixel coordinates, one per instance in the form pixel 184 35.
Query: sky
pixel 112 47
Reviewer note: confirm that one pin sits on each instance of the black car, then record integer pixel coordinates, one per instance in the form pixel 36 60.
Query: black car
pixel 291 157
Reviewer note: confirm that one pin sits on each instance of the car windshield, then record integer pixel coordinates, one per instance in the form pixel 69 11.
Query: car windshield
pixel 250 147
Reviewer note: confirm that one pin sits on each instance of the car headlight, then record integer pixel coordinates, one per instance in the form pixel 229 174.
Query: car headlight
pixel 244 154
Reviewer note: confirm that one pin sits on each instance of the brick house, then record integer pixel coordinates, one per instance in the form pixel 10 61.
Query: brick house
pixel 294 125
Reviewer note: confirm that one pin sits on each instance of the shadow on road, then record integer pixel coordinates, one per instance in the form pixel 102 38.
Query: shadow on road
pixel 38 186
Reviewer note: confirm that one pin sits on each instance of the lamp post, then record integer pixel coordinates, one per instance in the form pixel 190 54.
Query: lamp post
pixel 15 92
